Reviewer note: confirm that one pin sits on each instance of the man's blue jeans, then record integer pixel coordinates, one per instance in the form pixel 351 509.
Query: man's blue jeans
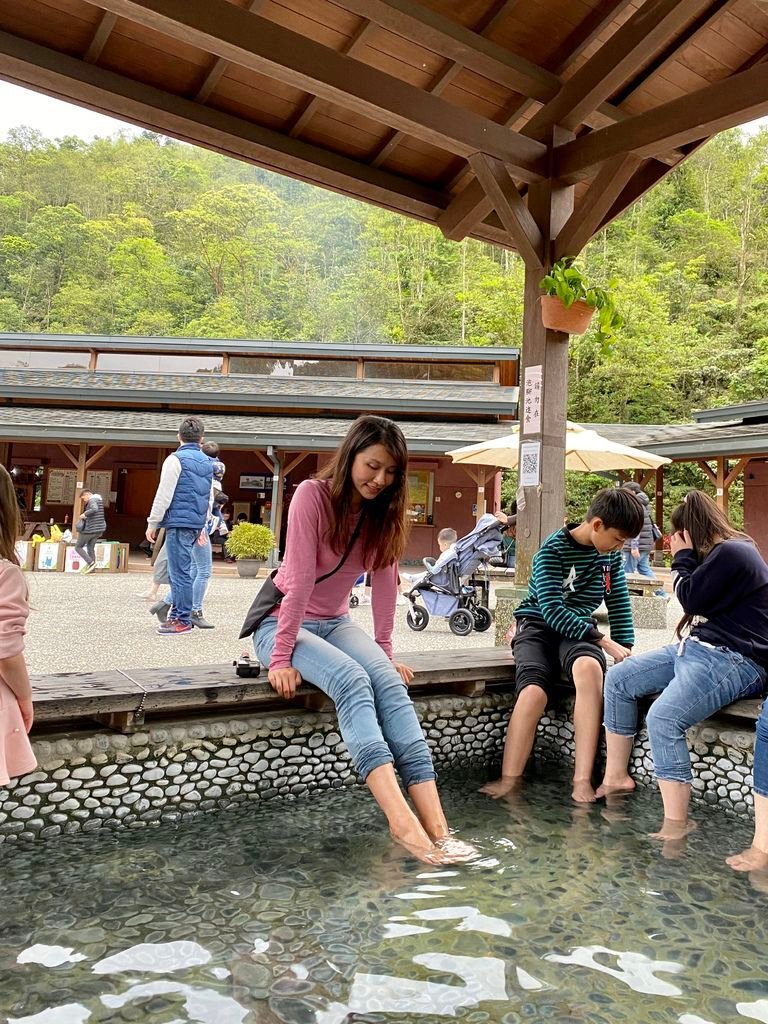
pixel 641 565
pixel 376 716
pixel 179 542
pixel 693 684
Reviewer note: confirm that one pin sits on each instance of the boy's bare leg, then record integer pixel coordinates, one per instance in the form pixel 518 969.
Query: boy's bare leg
pixel 587 720
pixel 618 750
pixel 676 797
pixel 755 857
pixel 521 734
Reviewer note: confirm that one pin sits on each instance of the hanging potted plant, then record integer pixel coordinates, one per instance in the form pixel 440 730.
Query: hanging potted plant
pixel 250 544
pixel 569 303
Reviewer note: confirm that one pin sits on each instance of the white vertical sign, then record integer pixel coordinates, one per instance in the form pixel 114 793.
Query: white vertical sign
pixel 530 422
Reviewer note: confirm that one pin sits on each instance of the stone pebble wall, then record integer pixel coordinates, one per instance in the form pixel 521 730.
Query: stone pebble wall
pixel 86 782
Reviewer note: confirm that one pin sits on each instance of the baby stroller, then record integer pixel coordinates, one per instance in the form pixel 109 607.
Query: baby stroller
pixel 444 589
pixel 354 598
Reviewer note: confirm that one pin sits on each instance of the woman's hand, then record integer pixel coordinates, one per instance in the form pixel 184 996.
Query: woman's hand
pixel 284 681
pixel 27 713
pixel 203 537
pixel 680 541
pixel 406 674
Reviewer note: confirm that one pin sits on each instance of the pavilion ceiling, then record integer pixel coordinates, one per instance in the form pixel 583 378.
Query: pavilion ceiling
pixel 445 110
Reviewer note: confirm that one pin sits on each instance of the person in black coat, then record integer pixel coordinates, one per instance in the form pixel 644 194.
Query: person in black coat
pixel 91 526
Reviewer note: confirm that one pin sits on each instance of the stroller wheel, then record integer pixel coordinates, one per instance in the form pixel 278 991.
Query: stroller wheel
pixel 417 618
pixel 461 622
pixel 482 618
pixel 354 600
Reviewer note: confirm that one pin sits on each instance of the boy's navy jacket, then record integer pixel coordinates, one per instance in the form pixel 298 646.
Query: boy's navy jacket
pixel 728 590
pixel 569 581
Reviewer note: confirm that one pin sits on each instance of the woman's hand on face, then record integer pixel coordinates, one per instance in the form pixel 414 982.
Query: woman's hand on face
pixel 405 673
pixel 284 681
pixel 680 541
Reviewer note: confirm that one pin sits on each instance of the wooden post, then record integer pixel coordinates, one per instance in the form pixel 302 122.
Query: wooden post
pixel 660 512
pixel 276 512
pixel 5 454
pixel 82 460
pixel 721 491
pixel 544 510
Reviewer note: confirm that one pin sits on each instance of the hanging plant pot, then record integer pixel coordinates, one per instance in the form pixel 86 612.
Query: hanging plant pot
pixel 574 319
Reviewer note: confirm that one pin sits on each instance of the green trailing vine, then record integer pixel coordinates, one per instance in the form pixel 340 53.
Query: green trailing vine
pixel 567 283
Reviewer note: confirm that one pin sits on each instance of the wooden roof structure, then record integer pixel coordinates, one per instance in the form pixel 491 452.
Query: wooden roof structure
pixel 527 123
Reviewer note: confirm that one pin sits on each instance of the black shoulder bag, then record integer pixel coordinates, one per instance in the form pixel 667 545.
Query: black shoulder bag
pixel 271 595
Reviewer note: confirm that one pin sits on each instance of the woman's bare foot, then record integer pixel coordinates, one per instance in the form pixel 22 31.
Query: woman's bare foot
pixel 499 788
pixel 456 851
pixel 416 841
pixel 619 784
pixel 583 793
pixel 671 829
pixel 751 859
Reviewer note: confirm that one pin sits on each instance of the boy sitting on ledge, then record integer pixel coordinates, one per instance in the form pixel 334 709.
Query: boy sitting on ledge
pixel 573 572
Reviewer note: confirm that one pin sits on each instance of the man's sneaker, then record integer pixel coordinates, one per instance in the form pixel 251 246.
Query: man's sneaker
pixel 199 620
pixel 160 609
pixel 90 568
pixel 173 627
pixel 83 569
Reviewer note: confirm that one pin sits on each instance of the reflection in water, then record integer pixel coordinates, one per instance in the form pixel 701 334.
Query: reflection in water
pixel 154 958
pixel 634 969
pixel 49 956
pixel 372 993
pixel 304 913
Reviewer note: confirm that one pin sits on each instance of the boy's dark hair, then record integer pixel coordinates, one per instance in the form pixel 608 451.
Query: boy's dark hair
pixel 210 448
pixel 191 429
pixel 618 509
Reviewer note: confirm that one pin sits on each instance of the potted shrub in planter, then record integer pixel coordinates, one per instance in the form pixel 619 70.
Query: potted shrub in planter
pixel 569 303
pixel 250 544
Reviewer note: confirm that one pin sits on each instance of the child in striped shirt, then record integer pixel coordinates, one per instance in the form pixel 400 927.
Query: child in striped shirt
pixel 573 572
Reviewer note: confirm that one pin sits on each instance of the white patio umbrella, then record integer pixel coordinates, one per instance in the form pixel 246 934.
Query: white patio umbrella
pixel 585 451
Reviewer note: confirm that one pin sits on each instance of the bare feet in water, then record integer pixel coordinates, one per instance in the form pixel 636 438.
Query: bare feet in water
pixel 415 840
pixel 583 793
pixel 621 784
pixel 751 859
pixel 671 829
pixel 501 787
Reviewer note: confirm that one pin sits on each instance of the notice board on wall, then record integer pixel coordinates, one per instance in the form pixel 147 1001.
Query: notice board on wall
pixel 100 482
pixel 60 486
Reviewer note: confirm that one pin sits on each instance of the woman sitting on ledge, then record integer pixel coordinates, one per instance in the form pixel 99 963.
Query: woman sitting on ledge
pixel 349 519
pixel 721 581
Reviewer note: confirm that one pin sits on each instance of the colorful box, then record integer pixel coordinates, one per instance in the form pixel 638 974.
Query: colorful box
pixel 25 552
pixel 73 561
pixel 49 557
pixel 111 556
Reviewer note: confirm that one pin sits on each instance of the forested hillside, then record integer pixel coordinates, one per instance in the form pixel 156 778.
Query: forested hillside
pixel 147 236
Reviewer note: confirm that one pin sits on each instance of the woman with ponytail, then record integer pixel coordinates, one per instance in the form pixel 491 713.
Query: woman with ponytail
pixel 721 655
pixel 16 756
pixel 348 520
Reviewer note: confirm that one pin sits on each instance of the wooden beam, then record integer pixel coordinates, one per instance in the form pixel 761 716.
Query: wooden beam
pixel 72 458
pixel 264 46
pixel 500 189
pixel 82 463
pixel 70 79
pixel 742 97
pixel 628 50
pixel 295 462
pixel 353 46
pixel 443 79
pixel 442 35
pixel 586 32
pixel 721 491
pixel 100 36
pixel 737 469
pixel 586 219
pixel 264 460
pixel 216 71
pixel 97 455
pixel 707 470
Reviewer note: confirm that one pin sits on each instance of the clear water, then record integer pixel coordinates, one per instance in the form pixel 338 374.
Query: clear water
pixel 303 913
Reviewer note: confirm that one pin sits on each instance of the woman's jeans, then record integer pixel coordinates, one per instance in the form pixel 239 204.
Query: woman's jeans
pixel 760 770
pixel 693 684
pixel 376 717
pixel 86 546
pixel 641 565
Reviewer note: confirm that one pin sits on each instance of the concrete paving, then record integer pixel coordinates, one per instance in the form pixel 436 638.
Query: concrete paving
pixel 87 623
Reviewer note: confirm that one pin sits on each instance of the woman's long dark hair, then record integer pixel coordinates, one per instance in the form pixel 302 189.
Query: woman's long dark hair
pixel 707 525
pixel 385 526
pixel 10 517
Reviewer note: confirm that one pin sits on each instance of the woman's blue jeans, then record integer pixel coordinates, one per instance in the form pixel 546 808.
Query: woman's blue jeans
pixel 693 685
pixel 376 716
pixel 760 769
